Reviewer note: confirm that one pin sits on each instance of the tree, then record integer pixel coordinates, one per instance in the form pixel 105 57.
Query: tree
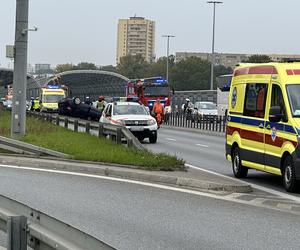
pixel 222 70
pixel 133 66
pixel 85 66
pixel 258 59
pixel 63 67
pixel 190 74
pixel 109 68
pixel 159 68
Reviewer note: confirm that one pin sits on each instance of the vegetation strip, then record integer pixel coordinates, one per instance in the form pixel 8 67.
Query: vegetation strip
pixel 83 146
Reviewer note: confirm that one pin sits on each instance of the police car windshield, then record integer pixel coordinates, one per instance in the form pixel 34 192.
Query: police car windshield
pixel 294 98
pixel 52 98
pixel 129 110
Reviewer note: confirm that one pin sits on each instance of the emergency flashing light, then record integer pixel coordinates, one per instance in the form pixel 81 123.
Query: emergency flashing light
pixel 53 86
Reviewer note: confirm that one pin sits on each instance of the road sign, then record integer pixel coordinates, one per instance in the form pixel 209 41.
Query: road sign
pixel 10 51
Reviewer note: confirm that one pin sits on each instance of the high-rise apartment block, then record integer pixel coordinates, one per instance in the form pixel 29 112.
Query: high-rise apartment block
pixel 136 36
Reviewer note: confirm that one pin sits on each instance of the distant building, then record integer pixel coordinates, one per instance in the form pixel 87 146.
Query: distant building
pixel 230 59
pixel 42 68
pixel 136 36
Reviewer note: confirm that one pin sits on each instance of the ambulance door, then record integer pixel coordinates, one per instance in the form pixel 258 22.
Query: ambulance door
pixel 275 131
pixel 253 125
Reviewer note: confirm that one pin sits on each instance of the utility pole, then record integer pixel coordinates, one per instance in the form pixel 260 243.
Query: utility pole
pixel 168 46
pixel 18 114
pixel 213 46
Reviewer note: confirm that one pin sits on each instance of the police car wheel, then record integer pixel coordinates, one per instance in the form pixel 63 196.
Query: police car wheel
pixel 288 176
pixel 153 138
pixel 239 170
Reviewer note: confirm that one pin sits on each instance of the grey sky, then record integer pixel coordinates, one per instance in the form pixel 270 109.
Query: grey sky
pixel 86 30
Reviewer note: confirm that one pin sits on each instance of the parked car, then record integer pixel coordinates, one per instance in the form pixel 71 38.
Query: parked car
pixel 132 115
pixel 207 109
pixel 75 108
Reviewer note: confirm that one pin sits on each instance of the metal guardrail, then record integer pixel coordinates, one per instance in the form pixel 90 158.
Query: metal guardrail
pixel 23 147
pixel 27 226
pixel 203 122
pixel 115 132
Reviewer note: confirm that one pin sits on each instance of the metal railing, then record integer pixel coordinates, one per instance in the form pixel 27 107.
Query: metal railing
pixel 27 226
pixel 203 122
pixel 115 132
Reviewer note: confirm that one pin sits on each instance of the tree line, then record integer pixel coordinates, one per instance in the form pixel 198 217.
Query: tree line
pixel 192 73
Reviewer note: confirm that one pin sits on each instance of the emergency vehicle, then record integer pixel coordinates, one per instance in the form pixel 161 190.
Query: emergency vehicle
pixel 50 95
pixel 263 123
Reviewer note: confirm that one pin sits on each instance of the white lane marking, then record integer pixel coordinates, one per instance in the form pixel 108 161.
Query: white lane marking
pixel 170 139
pixel 268 190
pixel 169 188
pixel 202 145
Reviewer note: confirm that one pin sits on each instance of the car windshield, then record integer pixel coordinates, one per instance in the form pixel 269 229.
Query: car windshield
pixel 205 106
pixel 129 110
pixel 52 98
pixel 157 91
pixel 293 91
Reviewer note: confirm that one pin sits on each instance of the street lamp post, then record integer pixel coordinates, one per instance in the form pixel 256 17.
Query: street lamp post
pixel 18 114
pixel 168 46
pixel 213 45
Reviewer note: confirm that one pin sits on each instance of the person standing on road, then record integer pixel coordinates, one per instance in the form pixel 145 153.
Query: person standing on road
pixel 36 104
pixel 158 110
pixel 100 104
pixel 88 101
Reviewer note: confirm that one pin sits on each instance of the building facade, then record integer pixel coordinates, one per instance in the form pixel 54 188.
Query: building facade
pixel 230 59
pixel 136 36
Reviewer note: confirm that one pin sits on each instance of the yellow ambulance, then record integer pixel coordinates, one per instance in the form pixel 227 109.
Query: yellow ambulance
pixel 49 98
pixel 263 121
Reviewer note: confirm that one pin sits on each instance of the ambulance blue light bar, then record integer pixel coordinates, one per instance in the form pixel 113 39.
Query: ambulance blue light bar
pixel 53 86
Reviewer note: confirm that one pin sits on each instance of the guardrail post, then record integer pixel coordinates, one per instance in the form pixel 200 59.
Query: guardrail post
pixel 57 120
pixel 100 130
pixel 17 233
pixel 87 127
pixel 66 122
pixel 129 143
pixel 119 135
pixel 76 125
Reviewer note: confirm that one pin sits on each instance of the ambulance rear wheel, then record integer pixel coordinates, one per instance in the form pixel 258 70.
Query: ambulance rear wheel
pixel 288 175
pixel 239 170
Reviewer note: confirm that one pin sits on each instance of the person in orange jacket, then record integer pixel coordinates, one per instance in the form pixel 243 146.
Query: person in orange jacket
pixel 158 110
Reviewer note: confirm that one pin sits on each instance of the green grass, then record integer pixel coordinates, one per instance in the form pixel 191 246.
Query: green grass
pixel 86 147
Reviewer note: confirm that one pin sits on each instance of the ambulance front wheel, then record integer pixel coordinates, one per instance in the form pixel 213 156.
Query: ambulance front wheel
pixel 288 175
pixel 239 170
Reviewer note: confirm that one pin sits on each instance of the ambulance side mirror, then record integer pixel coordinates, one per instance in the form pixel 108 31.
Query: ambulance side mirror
pixel 275 114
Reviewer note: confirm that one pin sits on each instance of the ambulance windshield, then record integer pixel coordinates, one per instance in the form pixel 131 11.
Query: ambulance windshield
pixel 294 98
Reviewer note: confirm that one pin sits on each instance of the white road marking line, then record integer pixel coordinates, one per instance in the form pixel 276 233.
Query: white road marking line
pixel 268 190
pixel 169 188
pixel 170 139
pixel 202 145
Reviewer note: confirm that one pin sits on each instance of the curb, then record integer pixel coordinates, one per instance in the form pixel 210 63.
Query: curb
pixel 125 173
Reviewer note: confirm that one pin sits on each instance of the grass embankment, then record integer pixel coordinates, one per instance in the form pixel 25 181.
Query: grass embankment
pixel 83 146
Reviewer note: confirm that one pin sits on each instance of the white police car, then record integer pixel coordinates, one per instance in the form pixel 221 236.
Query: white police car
pixel 132 115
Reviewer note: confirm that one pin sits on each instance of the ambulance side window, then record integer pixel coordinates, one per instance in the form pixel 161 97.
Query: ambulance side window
pixel 255 99
pixel 277 99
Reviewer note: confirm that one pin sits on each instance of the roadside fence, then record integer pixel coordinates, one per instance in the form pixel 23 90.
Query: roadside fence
pixel 203 122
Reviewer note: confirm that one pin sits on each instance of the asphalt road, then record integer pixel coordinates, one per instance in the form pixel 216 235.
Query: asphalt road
pixel 132 216
pixel 207 151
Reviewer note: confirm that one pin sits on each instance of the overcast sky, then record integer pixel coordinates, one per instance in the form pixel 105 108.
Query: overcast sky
pixel 73 31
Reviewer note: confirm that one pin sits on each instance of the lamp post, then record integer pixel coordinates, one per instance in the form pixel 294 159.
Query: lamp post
pixel 213 45
pixel 168 46
pixel 18 114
